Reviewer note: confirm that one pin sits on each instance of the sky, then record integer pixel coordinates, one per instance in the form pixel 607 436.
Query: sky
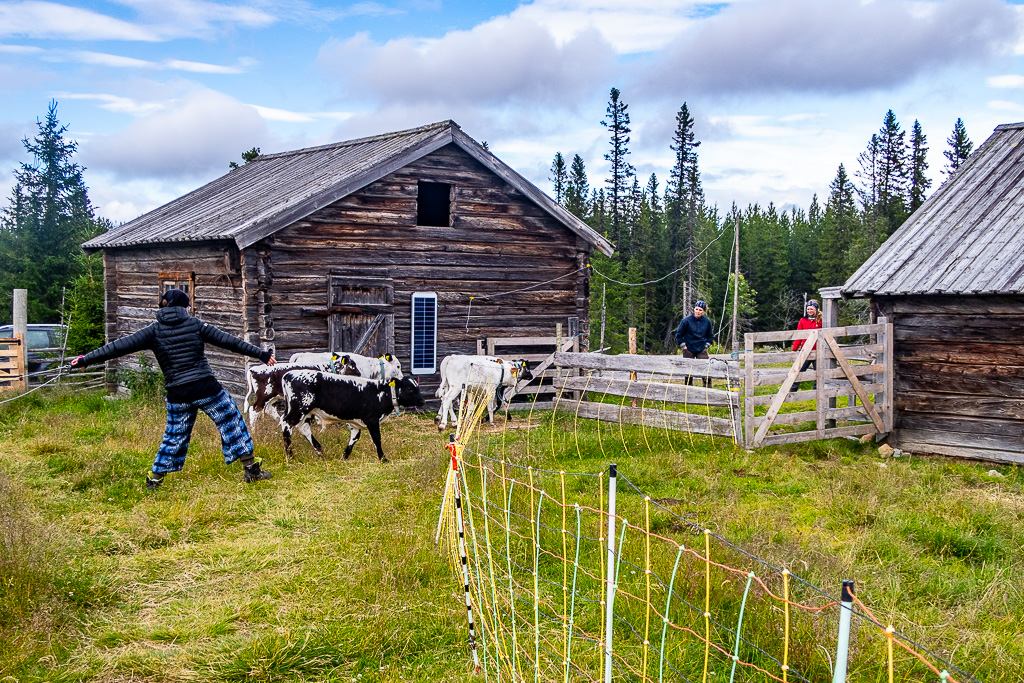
pixel 161 94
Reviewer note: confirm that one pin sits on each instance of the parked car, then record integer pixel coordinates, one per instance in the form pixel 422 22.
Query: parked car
pixel 44 344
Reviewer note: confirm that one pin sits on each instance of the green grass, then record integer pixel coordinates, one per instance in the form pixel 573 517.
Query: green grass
pixel 328 572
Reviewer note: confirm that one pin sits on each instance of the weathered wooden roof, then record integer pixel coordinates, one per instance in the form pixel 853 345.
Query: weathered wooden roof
pixel 263 196
pixel 967 238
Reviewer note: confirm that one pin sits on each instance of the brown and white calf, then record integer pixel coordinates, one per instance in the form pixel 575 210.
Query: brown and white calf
pixel 264 382
pixel 358 401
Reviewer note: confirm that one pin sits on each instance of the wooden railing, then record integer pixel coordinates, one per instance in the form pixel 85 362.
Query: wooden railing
pixel 859 372
pixel 658 380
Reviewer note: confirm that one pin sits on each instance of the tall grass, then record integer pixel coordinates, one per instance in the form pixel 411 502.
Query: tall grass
pixel 328 572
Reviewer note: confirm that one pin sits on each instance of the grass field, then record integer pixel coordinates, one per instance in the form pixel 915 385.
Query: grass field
pixel 328 572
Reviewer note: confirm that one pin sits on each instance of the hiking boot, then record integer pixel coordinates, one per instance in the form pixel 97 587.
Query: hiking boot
pixel 254 473
pixel 153 483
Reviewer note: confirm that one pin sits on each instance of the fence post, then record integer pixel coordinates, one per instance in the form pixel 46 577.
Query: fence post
pixel 19 316
pixel 632 351
pixel 609 600
pixel 460 524
pixel 843 645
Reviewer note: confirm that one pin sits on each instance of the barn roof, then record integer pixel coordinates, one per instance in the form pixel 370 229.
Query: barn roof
pixel 967 238
pixel 263 196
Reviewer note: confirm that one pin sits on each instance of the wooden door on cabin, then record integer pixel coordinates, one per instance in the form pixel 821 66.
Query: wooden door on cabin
pixel 361 315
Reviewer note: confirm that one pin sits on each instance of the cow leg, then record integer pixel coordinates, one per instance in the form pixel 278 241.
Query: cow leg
pixel 374 429
pixel 353 435
pixel 286 433
pixel 307 431
pixel 446 407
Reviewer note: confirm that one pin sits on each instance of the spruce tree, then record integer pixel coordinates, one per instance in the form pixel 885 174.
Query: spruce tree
pixel 616 120
pixel 839 228
pixel 919 181
pixel 48 216
pixel 960 147
pixel 559 177
pixel 577 189
pixel 684 200
pixel 893 175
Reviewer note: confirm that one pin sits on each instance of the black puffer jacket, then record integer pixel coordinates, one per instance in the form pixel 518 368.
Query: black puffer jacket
pixel 177 339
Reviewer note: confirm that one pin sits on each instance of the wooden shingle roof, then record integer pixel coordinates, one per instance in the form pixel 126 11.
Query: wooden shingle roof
pixel 263 196
pixel 967 238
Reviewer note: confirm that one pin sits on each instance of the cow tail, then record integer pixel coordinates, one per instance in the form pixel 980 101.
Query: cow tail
pixel 250 385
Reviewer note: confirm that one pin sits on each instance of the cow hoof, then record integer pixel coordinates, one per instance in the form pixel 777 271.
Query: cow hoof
pixel 348 452
pixel 384 460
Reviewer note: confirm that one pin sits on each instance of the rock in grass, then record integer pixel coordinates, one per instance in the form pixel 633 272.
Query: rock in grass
pixel 885 450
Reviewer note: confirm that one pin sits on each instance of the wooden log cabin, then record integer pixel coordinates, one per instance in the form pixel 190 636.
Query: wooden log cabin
pixel 417 243
pixel 951 280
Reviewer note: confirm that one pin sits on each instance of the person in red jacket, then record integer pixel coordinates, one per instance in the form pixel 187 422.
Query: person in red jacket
pixel 810 321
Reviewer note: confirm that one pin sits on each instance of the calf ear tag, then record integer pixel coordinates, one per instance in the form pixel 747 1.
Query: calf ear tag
pixel 391 383
pixel 334 356
pixel 514 371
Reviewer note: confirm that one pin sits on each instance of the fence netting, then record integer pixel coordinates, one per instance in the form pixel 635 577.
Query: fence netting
pixel 568 576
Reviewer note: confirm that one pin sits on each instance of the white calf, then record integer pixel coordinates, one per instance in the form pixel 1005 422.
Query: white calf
pixel 486 373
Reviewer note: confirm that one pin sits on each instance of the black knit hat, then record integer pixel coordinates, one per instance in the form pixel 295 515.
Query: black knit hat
pixel 174 297
pixel 701 304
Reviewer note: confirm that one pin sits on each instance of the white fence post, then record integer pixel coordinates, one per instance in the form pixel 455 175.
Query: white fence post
pixel 843 644
pixel 609 612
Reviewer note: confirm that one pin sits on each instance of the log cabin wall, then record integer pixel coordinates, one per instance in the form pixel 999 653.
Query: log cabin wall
pixel 959 374
pixel 133 286
pixel 497 241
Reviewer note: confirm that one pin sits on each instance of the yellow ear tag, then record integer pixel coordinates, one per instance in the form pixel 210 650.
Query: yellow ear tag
pixel 334 356
pixel 391 383
pixel 514 371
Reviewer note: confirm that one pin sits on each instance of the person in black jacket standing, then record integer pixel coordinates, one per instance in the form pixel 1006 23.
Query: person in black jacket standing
pixel 695 335
pixel 178 341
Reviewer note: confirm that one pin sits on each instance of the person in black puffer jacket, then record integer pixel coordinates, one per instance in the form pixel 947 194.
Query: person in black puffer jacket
pixel 178 341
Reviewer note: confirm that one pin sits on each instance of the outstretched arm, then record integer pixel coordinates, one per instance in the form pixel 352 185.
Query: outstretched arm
pixel 219 337
pixel 139 341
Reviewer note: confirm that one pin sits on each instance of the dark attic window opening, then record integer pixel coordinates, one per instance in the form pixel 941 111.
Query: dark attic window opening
pixel 434 204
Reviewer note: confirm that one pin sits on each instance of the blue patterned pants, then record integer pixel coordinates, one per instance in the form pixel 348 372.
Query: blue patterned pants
pixel 181 417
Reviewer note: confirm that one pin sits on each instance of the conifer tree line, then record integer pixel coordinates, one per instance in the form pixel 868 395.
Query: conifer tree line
pixel 673 248
pixel 47 217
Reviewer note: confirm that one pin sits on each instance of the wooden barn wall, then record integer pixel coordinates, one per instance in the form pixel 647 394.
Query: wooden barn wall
pixel 959 380
pixel 133 290
pixel 498 241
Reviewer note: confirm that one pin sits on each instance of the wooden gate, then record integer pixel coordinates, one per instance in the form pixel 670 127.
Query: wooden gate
pixel 852 392
pixel 360 311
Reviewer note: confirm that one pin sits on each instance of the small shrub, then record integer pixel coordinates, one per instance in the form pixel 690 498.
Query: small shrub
pixel 145 382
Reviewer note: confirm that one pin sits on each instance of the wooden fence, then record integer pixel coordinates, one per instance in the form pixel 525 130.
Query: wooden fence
pixel 13 375
pixel 856 371
pixel 651 380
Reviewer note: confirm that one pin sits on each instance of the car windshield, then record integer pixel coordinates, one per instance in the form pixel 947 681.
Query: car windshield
pixel 38 339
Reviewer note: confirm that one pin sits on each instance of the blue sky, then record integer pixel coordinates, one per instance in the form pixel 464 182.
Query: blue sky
pixel 162 94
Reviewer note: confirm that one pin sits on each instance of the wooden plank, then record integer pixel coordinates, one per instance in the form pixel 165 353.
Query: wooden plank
pixel 830 392
pixel 676 366
pixel 791 335
pixel 566 345
pixel 659 419
pixel 780 397
pixel 888 394
pixel 857 386
pixel 650 391
pixel 973 453
pixel 856 413
pixel 854 350
pixel 770 378
pixel 799 437
pixel 966 405
pixel 961 439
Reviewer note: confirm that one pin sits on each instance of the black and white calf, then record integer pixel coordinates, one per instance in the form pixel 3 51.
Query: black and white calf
pixel 338 398
pixel 489 373
pixel 264 382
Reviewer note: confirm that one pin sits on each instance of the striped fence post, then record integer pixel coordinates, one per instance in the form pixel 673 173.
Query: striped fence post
pixel 453 448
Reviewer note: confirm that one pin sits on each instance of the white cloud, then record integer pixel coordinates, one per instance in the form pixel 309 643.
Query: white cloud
pixel 52 20
pixel 194 137
pixel 1014 81
pixel 20 49
pixel 122 62
pixel 630 27
pixel 117 103
pixel 499 61
pixel 829 47
pixel 285 116
pixel 159 20
pixel 1003 105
